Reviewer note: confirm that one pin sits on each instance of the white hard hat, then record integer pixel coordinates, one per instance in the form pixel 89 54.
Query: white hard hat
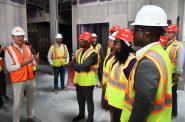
pixel 112 37
pixel 150 15
pixel 18 31
pixel 58 36
pixel 94 35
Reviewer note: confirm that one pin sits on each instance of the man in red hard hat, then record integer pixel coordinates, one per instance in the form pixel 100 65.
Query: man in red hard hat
pixel 175 50
pixel 85 66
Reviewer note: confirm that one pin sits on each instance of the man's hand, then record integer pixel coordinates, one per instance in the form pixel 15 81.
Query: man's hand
pixel 36 57
pixel 24 63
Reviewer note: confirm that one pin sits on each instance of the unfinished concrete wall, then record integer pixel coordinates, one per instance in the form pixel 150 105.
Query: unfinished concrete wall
pixel 119 12
pixel 11 14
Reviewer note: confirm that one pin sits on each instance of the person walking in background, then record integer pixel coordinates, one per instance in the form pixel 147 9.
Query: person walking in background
pixel 175 50
pixel 19 61
pixel 58 57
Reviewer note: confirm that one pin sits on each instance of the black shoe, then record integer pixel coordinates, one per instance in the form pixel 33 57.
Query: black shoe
pixel 90 120
pixel 174 115
pixel 78 118
pixel 6 97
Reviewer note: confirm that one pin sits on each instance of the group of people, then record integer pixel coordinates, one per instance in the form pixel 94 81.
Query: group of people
pixel 138 86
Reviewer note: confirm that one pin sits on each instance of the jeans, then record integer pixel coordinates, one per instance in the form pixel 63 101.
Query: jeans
pixel 58 70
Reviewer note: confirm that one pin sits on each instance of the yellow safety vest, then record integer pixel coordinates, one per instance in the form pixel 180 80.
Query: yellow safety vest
pixel 107 68
pixel 59 58
pixel 115 90
pixel 172 52
pixel 161 111
pixel 85 78
pixel 34 68
pixel 97 50
pixel 108 50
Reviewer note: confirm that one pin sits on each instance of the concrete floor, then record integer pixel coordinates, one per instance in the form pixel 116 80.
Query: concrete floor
pixel 62 107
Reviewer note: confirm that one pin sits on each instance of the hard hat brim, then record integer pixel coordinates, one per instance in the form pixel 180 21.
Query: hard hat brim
pixel 160 25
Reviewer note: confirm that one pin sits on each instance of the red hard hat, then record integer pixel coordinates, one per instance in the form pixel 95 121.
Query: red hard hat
pixel 86 36
pixel 114 28
pixel 124 34
pixel 172 28
pixel 163 40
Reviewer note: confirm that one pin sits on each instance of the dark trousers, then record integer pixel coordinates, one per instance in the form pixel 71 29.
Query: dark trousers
pixel 85 94
pixel 1 100
pixel 59 70
pixel 100 71
pixel 174 100
pixel 116 114
pixel 2 83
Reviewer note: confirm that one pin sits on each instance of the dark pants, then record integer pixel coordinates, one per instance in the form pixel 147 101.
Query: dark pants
pixel 57 71
pixel 116 114
pixel 100 71
pixel 2 83
pixel 85 94
pixel 1 100
pixel 174 100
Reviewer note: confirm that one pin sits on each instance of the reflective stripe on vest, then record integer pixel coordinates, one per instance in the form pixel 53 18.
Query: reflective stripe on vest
pixel 59 56
pixel 107 68
pixel 97 50
pixel 25 72
pixel 85 78
pixel 115 91
pixel 161 110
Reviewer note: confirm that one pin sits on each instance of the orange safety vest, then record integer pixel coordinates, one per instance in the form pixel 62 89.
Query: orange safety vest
pixel 25 72
pixel 1 61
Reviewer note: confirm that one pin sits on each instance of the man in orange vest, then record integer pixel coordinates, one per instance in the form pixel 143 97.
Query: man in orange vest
pixel 19 62
pixel 175 50
pixel 58 57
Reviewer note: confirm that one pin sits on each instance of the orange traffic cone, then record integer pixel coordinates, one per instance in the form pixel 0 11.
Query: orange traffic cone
pixel 71 73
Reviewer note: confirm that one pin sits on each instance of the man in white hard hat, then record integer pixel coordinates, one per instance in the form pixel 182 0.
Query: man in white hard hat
pixel 58 57
pixel 19 61
pixel 148 97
